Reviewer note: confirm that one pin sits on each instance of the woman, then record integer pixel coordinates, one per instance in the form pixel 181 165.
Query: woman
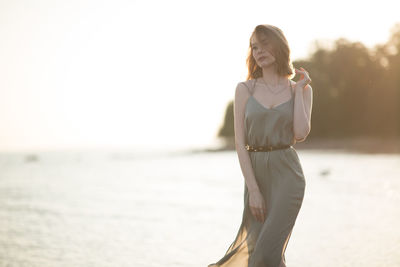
pixel 271 113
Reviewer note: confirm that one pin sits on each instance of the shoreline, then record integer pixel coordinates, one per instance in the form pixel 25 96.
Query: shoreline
pixel 365 145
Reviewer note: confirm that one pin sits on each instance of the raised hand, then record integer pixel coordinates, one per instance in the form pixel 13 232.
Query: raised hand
pixel 304 77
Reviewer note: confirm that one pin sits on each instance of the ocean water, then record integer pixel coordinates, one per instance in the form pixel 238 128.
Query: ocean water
pixel 156 209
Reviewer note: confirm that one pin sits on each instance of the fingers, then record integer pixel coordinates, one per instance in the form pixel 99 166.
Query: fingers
pixel 308 75
pixel 259 213
pixel 258 207
pixel 304 75
pixel 263 213
pixel 302 71
pixel 256 214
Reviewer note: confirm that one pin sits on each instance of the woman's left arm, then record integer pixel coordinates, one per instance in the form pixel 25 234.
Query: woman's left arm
pixel 302 107
pixel 302 113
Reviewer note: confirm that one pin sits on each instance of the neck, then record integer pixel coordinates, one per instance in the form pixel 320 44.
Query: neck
pixel 271 76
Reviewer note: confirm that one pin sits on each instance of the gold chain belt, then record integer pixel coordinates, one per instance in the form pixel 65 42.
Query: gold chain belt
pixel 265 148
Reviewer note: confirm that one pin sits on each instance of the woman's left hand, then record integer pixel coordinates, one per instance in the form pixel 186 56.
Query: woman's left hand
pixel 304 78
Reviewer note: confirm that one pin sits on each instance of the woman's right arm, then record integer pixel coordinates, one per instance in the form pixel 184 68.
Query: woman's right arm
pixel 241 96
pixel 256 200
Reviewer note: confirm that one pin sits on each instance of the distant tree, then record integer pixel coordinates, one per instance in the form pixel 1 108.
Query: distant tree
pixel 226 132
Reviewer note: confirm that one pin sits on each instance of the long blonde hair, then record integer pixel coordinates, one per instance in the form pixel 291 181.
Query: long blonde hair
pixel 280 50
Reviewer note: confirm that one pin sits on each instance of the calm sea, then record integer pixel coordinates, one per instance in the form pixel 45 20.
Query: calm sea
pixel 124 208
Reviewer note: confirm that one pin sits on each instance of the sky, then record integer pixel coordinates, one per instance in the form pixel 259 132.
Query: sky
pixel 148 74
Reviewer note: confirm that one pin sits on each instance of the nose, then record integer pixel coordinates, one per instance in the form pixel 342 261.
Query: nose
pixel 260 51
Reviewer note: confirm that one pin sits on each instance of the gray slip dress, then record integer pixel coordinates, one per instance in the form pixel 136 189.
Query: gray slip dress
pixel 281 181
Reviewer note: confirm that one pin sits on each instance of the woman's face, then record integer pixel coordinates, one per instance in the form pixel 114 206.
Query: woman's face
pixel 262 51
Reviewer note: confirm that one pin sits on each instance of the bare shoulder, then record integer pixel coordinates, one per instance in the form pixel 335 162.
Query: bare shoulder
pixel 247 83
pixel 243 88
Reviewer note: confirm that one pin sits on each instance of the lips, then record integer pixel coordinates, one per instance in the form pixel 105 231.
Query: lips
pixel 261 58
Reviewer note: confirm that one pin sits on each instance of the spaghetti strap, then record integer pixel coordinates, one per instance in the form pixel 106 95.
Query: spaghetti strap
pixel 251 91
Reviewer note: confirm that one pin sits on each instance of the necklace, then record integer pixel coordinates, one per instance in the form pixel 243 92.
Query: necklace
pixel 272 91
